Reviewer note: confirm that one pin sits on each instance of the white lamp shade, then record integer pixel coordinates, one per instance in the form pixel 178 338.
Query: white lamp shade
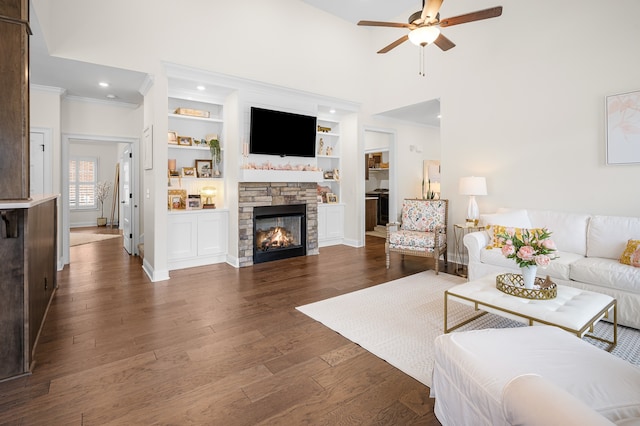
pixel 424 35
pixel 472 185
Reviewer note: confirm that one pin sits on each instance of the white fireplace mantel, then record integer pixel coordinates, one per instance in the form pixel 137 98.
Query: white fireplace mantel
pixel 252 175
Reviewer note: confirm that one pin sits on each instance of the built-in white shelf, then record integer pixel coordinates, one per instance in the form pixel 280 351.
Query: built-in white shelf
pixel 251 175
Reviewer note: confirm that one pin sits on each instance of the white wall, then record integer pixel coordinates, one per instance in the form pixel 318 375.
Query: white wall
pixel 522 99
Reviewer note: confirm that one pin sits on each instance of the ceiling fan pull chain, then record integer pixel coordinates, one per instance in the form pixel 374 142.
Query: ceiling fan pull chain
pixel 421 72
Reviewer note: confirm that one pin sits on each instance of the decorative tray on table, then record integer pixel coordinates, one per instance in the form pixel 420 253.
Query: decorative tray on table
pixel 512 284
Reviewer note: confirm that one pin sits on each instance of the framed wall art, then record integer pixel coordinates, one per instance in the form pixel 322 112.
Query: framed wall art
pixel 204 168
pixel 623 128
pixel 177 199
pixel 185 141
pixel 188 172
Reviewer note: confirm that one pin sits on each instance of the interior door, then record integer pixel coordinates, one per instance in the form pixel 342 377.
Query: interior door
pixel 126 203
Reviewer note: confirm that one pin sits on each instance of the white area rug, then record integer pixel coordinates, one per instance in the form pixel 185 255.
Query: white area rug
pixel 78 238
pixel 398 321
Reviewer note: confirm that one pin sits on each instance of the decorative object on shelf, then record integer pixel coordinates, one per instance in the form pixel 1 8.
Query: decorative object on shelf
pixel 173 171
pixel 320 146
pixel 514 285
pixel 332 198
pixel 433 190
pixel 208 193
pixel 324 129
pixel 193 202
pixel 319 198
pixel 472 186
pixel 216 154
pixel 172 138
pixel 188 172
pixel 177 199
pixel 193 112
pixel 102 192
pixel 245 153
pixel 204 168
pixel 529 248
pixel 336 174
pixel 329 150
pixel 328 174
pixel 185 141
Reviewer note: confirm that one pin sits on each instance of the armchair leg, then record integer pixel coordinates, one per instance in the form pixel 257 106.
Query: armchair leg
pixel 386 252
pixel 436 258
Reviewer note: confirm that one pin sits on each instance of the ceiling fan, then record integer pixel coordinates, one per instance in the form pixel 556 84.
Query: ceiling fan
pixel 424 25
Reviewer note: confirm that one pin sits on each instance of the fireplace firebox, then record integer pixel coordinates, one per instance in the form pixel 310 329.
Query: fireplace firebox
pixel 279 232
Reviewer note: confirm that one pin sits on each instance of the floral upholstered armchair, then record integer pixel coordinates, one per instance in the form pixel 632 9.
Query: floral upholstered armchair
pixel 422 232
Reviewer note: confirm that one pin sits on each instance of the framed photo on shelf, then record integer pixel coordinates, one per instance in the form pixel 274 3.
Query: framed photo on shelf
pixel 188 172
pixel 332 198
pixel 194 202
pixel 172 138
pixel 177 199
pixel 185 141
pixel 204 168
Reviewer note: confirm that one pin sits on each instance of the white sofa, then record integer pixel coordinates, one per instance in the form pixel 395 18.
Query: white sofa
pixel 531 376
pixel 589 250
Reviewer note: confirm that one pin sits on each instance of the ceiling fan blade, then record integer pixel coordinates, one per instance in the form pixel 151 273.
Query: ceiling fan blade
pixel 444 43
pixel 385 24
pixel 396 43
pixel 430 10
pixel 473 16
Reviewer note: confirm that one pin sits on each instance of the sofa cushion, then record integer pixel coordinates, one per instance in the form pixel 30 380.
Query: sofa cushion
pixel 415 240
pixel 499 229
pixel 607 236
pixel 606 273
pixel 568 230
pixel 515 218
pixel 558 268
pixel 631 254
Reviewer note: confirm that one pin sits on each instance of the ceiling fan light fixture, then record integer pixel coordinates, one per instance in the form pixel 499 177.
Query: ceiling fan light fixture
pixel 424 35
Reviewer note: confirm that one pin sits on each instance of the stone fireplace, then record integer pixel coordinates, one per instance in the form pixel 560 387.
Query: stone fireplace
pixel 253 195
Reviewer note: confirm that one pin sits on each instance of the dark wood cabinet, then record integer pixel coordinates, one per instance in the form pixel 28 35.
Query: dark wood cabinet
pixel 371 216
pixel 14 112
pixel 28 227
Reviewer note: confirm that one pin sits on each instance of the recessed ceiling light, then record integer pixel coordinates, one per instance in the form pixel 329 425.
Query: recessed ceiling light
pixel 110 96
pixel 332 111
pixel 201 87
pixel 439 116
pixel 103 84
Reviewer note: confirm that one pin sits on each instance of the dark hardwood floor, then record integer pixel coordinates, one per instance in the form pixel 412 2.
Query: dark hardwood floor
pixel 213 345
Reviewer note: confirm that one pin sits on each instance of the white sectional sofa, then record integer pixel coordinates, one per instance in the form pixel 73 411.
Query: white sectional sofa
pixel 531 376
pixel 589 250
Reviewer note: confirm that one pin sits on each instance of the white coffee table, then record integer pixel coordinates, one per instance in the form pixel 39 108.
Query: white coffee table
pixel 573 309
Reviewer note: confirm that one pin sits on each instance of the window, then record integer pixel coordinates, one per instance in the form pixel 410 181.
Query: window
pixel 83 173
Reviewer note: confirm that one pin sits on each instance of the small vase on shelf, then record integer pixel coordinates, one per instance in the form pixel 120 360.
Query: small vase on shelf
pixel 529 275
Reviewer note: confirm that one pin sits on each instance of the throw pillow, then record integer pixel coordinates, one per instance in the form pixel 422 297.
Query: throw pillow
pixel 631 254
pixel 499 229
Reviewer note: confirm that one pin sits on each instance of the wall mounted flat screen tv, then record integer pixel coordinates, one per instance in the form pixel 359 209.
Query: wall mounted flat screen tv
pixel 282 133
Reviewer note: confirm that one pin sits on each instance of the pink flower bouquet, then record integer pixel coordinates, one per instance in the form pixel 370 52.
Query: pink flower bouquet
pixel 528 247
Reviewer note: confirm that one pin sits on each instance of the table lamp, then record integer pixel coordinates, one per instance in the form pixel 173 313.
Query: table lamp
pixel 208 193
pixel 473 186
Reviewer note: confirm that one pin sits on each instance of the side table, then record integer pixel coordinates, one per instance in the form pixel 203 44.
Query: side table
pixel 459 231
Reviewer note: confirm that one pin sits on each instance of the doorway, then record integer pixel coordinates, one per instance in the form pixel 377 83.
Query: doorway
pixel 379 180
pixel 131 147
